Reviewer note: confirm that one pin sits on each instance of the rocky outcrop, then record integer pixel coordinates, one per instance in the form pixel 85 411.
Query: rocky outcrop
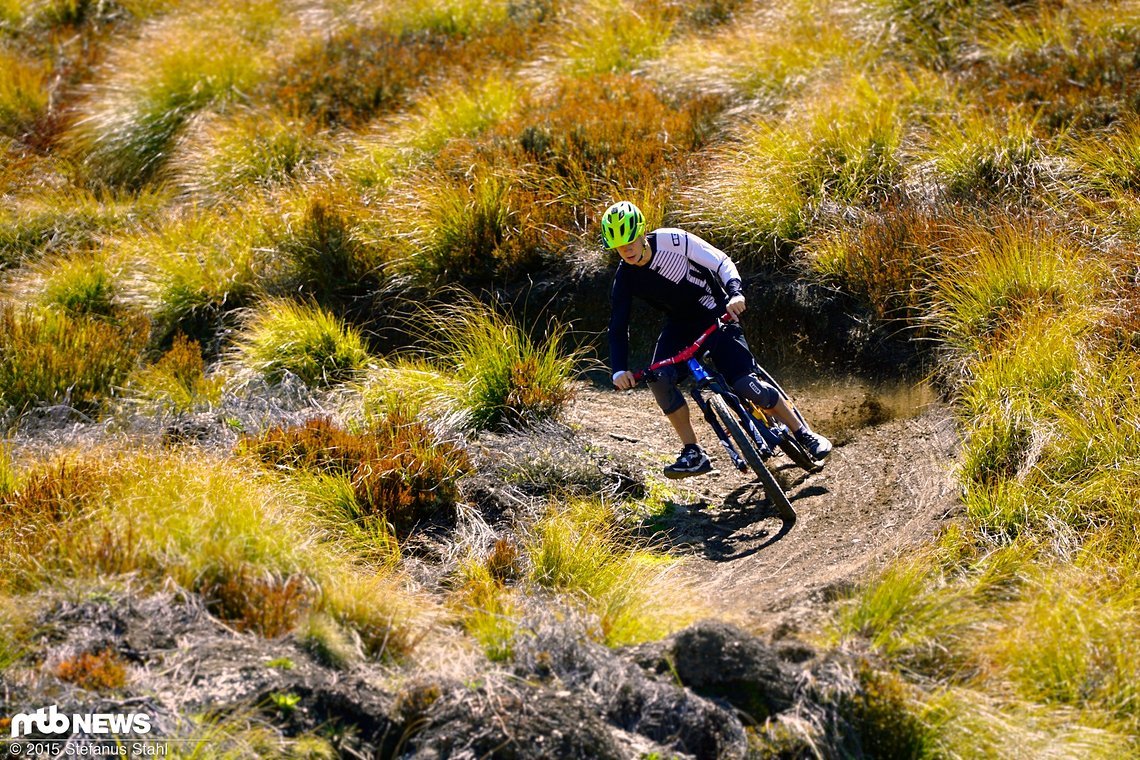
pixel 710 691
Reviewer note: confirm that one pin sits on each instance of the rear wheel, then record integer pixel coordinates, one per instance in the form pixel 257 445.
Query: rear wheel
pixel 787 443
pixel 798 453
pixel 747 449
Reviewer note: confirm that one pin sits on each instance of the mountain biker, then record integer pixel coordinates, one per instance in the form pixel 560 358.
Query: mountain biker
pixel 693 283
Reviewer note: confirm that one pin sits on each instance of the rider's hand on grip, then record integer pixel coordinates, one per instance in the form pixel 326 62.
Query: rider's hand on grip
pixel 623 381
pixel 735 307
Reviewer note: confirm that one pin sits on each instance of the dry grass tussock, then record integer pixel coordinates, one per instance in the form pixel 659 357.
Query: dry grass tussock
pixel 213 526
pixel 399 470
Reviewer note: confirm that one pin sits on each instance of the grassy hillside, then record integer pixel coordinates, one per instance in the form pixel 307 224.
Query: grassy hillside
pixel 210 203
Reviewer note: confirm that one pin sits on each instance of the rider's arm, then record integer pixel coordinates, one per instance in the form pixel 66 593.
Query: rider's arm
pixel 621 301
pixel 704 253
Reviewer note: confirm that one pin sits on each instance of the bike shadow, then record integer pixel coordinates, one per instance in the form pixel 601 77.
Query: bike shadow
pixel 739 527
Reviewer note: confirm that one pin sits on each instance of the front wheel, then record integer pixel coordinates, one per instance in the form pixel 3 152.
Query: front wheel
pixel 747 449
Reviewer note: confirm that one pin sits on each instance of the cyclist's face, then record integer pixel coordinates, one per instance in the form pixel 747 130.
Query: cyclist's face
pixel 634 253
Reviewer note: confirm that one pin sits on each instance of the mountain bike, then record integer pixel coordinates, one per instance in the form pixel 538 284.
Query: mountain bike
pixel 748 435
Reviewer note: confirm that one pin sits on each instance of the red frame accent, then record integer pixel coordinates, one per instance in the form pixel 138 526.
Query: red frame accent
pixel 686 353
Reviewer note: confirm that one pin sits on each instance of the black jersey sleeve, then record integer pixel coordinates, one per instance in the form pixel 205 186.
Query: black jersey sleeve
pixel 621 301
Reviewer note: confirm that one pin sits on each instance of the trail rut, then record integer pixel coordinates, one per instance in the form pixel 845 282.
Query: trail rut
pixel 887 487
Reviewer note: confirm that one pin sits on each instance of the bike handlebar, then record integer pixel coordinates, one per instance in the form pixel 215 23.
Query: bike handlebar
pixel 686 353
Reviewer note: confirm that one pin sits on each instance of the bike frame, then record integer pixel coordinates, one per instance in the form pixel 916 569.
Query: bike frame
pixel 765 432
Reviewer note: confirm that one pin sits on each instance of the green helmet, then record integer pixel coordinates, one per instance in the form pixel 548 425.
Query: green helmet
pixel 622 223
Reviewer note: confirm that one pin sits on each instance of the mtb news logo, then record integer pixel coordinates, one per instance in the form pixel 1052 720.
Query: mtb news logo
pixel 49 720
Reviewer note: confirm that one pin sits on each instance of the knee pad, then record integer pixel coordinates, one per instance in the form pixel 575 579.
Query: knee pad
pixel 665 390
pixel 757 391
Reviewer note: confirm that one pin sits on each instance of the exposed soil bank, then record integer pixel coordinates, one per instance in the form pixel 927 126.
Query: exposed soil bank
pixel 792 325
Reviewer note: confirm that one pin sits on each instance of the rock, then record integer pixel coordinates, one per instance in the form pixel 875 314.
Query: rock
pixel 650 705
pixel 720 661
pixel 522 722
pixel 353 703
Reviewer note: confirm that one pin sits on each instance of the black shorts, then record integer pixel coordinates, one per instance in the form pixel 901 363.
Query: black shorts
pixel 729 349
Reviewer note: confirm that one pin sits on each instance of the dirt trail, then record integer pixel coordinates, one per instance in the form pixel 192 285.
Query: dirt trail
pixel 887 486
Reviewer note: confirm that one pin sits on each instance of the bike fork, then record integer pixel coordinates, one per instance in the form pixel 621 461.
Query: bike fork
pixel 721 434
pixel 765 444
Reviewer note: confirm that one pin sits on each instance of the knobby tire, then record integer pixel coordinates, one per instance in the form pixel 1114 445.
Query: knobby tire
pixel 798 453
pixel 747 449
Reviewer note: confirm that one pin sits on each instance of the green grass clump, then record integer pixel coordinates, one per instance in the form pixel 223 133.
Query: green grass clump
pixel 15 630
pixel 911 614
pixel 508 377
pixel 1006 277
pixel 216 527
pixel 11 12
pixel 975 154
pixel 223 157
pixel 450 112
pixel 969 722
pixel 1071 642
pixel 321 248
pixel 1035 462
pixel 282 337
pixel 762 191
pixel 1109 162
pixel 48 357
pixel 935 32
pixel 243 733
pixel 195 268
pixel 613 36
pixel 768 57
pixel 178 381
pixel 577 550
pixel 453 18
pixel 156 84
pixel 458 230
pixel 358 527
pixel 1071 63
pixel 485 603
pixel 1100 469
pixel 417 384
pixel 63 220
pixel 23 93
pixel 81 285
